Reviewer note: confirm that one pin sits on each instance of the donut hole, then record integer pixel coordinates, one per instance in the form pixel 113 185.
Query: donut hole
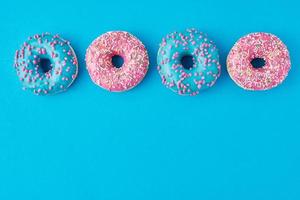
pixel 45 65
pixel 258 63
pixel 187 61
pixel 117 61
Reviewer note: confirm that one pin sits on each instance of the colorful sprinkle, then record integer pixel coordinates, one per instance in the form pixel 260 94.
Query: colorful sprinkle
pixel 104 73
pixel 259 46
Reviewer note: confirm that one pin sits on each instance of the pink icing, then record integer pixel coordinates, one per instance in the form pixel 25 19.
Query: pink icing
pixel 259 45
pixel 100 66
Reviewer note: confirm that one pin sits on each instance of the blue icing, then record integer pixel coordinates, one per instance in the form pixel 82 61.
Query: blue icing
pixel 206 66
pixel 61 56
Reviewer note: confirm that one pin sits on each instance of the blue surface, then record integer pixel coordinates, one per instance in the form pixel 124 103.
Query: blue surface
pixel 149 143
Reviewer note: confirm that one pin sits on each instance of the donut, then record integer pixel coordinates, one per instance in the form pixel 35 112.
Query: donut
pixel 46 48
pixel 201 74
pixel 265 46
pixel 100 66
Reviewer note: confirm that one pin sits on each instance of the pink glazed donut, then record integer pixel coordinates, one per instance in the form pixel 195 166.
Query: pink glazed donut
pixel 263 46
pixel 101 69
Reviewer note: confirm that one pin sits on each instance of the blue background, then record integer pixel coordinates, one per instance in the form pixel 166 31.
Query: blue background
pixel 149 143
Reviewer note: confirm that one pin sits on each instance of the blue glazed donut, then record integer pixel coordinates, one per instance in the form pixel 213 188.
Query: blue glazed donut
pixel 62 69
pixel 204 70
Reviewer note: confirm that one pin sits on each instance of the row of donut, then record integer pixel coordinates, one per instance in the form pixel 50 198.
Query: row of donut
pixel 188 62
